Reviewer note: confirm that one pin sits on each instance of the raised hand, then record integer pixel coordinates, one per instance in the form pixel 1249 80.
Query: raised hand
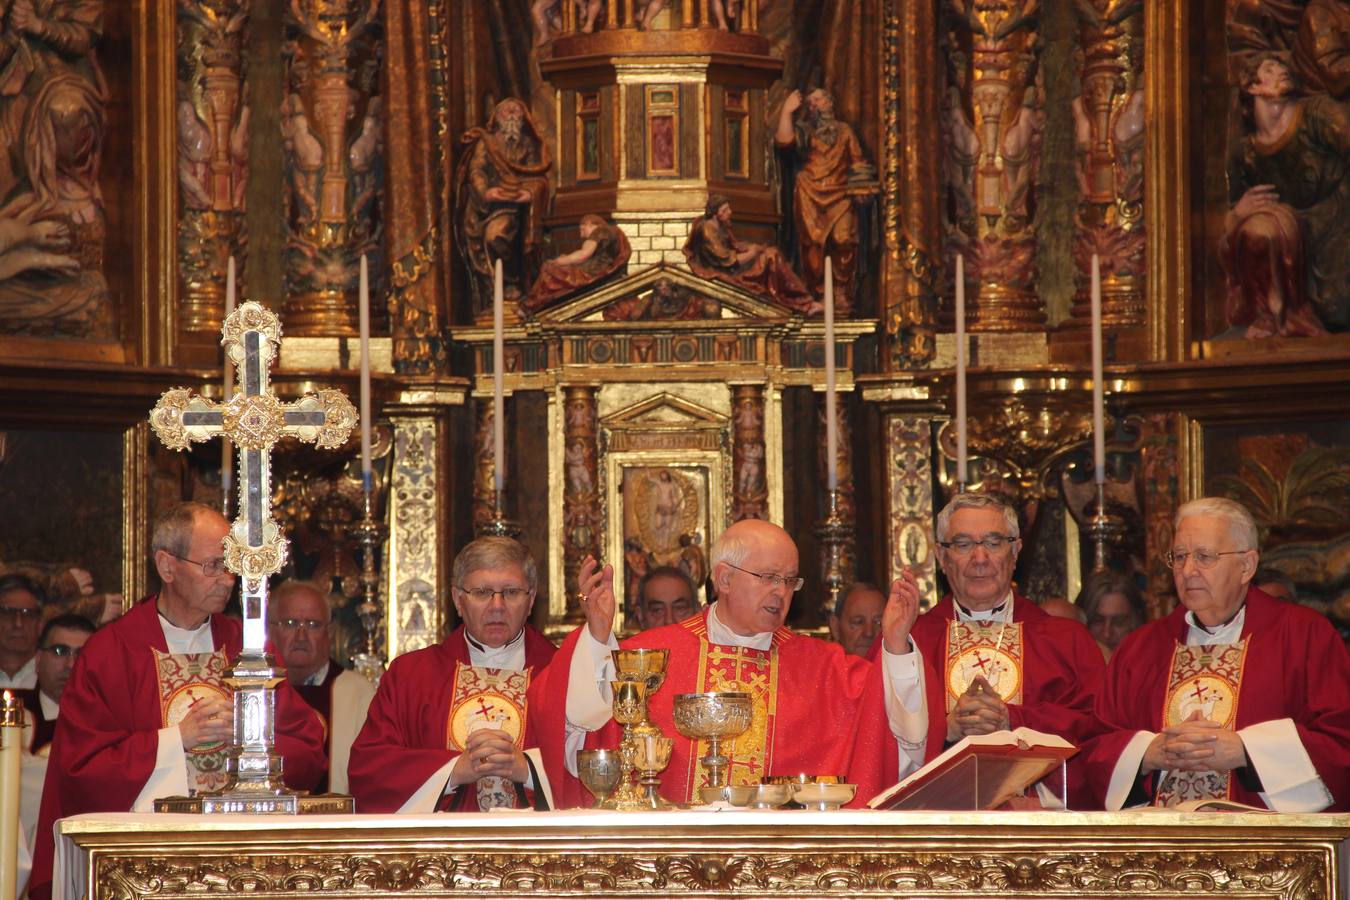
pixel 902 609
pixel 596 586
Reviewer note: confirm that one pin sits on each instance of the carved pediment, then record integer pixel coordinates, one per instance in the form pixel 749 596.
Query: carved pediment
pixel 665 412
pixel 664 293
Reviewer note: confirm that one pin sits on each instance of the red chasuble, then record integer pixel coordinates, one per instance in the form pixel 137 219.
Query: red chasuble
pixel 407 736
pixel 816 711
pixel 111 713
pixel 1046 668
pixel 1295 666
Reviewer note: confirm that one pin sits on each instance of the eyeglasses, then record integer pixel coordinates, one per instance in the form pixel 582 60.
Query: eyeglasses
pixel 994 544
pixel 485 594
pixel 20 613
pixel 1205 559
pixel 212 568
pixel 62 651
pixel 771 580
pixel 289 625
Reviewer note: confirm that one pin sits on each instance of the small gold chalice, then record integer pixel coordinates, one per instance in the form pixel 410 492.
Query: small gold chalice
pixel 714 717
pixel 600 771
pixel 642 665
pixel 653 755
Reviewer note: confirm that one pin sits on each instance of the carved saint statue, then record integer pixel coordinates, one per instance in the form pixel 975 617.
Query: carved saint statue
pixel 832 174
pixel 714 252
pixel 604 250
pixel 1286 235
pixel 502 195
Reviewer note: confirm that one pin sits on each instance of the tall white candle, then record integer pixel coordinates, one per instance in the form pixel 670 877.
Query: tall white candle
pixel 498 395
pixel 226 449
pixel 1098 400
pixel 961 465
pixel 363 314
pixel 831 400
pixel 11 742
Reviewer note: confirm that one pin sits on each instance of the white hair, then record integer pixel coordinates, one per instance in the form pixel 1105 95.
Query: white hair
pixel 729 549
pixel 1240 522
pixel 977 501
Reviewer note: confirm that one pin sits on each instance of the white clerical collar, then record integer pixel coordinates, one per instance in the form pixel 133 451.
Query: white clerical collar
pixel 720 633
pixel 1001 613
pixel 510 655
pixel 50 708
pixel 317 677
pixel 187 640
pixel 1227 633
pixel 25 678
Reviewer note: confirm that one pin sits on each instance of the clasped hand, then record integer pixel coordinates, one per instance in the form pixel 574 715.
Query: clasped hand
pixel 980 710
pixel 1196 745
pixel 489 751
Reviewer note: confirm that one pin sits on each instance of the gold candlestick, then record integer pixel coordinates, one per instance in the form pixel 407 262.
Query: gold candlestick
pixel 1104 527
pixel 834 535
pixel 498 525
pixel 370 535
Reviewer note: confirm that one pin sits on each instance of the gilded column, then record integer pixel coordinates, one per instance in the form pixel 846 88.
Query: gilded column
pixel 1109 125
pixel 212 156
pixel 847 509
pixel 582 517
pixel 909 490
pixel 912 220
pixel 1161 463
pixel 331 127
pixel 750 495
pixel 993 118
pixel 484 466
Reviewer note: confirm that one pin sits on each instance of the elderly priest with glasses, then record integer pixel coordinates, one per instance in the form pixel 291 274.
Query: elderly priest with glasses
pixel 450 729
pixel 986 659
pixel 816 710
pixel 1234 696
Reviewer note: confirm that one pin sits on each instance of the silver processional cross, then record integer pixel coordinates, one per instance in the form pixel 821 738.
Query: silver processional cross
pixel 254 419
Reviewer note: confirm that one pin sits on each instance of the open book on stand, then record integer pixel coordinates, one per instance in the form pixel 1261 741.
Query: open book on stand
pixel 980 772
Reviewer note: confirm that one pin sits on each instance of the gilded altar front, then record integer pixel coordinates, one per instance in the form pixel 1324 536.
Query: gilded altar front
pixel 714 854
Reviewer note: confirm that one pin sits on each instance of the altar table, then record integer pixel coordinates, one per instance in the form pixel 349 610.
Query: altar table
pixel 780 853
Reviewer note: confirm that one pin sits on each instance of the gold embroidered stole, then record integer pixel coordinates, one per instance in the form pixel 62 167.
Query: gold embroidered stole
pixel 991 649
pixel 755 672
pixel 186 679
pixel 1205 679
pixel 488 698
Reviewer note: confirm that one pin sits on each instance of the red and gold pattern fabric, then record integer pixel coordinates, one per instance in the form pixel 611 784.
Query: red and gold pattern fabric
pixel 990 649
pixel 186 679
pixel 488 698
pixel 754 672
pixel 1205 683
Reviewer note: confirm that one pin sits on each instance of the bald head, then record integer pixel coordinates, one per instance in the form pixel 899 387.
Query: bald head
pixel 754 569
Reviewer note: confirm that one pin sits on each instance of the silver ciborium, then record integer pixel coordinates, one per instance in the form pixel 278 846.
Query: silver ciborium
pixel 600 771
pixel 713 717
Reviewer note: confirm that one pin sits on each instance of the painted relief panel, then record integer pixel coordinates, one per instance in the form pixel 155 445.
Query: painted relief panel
pixel 665 520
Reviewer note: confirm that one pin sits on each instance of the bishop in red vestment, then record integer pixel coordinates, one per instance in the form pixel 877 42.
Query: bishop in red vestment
pixel 449 727
pixel 816 710
pixel 988 660
pixel 1235 695
pixel 144 713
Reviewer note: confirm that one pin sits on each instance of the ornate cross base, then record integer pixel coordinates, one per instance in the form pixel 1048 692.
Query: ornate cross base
pixel 254 767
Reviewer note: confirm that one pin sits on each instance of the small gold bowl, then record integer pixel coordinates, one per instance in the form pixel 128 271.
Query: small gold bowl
pixel 823 796
pixel 803 779
pixel 733 794
pixel 770 796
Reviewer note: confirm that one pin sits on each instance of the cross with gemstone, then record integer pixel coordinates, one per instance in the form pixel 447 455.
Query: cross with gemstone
pixel 254 419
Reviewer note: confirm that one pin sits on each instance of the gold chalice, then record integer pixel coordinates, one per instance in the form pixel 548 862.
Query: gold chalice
pixel 600 771
pixel 713 717
pixel 630 711
pixel 642 664
pixel 653 755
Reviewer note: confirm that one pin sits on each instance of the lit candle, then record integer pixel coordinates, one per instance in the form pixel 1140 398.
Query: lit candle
pixel 363 314
pixel 498 397
pixel 961 468
pixel 227 451
pixel 831 401
pixel 11 742
pixel 1098 401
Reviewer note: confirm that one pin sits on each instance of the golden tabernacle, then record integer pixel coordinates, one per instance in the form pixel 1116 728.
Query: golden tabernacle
pixel 755 401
